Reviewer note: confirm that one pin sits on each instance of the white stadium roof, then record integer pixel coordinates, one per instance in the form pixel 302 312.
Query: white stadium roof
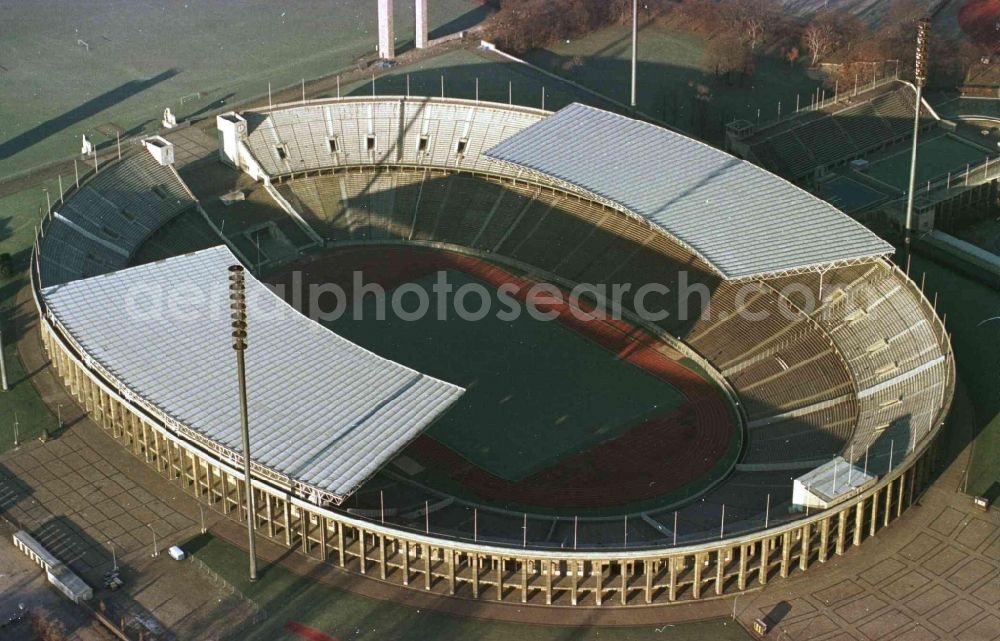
pixel 323 411
pixel 741 219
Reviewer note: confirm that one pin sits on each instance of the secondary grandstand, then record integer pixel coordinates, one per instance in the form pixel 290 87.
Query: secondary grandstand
pixel 851 125
pixel 805 349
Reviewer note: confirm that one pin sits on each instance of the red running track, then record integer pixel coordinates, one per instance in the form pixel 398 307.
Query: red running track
pixel 658 456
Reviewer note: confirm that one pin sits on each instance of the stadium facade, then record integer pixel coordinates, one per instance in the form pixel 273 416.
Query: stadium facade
pixel 862 386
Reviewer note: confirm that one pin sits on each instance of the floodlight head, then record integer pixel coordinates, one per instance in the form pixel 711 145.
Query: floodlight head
pixel 923 35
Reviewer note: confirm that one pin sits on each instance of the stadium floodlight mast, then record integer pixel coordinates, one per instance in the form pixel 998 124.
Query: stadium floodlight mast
pixel 238 303
pixel 635 45
pixel 920 79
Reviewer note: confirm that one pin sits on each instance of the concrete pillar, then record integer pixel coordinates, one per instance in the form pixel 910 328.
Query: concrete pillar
pixel 672 588
pixel 699 566
pixel 524 580
pixel 406 564
pixel 420 8
pixel 765 561
pixel 288 523
pixel 474 566
pixel 859 522
pixel 268 509
pixel 340 545
pixel 362 554
pixel 427 566
pixel 624 572
pixel 548 583
pixel 499 563
pixel 902 487
pixel 322 536
pixel 383 571
pixel 305 524
pixel 648 570
pixel 786 553
pixel 598 570
pixel 575 579
pixel 386 35
pixel 841 532
pixel 888 504
pixel 824 539
pixel 874 523
pixel 720 570
pixel 806 534
pixel 741 578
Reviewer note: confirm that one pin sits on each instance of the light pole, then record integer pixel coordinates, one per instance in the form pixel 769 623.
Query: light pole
pixel 238 303
pixel 920 79
pixel 201 513
pixel 3 364
pixel 16 435
pixel 114 557
pixel 635 45
pixel 156 550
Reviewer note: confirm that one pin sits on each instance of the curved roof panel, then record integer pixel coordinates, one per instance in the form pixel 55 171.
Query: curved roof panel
pixel 741 219
pixel 323 411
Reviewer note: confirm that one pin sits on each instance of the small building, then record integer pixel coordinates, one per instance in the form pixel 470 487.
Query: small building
pixel 829 484
pixel 60 576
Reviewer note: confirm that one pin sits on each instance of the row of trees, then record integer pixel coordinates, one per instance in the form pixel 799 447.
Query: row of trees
pixel 740 31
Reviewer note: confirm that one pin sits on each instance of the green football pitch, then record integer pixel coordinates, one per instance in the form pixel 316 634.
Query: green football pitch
pixel 536 390
pixel 72 68
pixel 935 158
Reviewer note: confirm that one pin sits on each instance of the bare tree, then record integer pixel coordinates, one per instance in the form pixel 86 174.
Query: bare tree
pixel 751 19
pixel 819 37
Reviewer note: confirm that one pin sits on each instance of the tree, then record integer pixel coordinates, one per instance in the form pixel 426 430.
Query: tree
pixel 820 37
pixel 792 55
pixel 751 19
pixel 6 268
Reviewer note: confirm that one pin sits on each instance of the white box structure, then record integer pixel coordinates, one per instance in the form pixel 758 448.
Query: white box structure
pixel 232 129
pixel 386 37
pixel 161 148
pixel 420 39
pixel 830 484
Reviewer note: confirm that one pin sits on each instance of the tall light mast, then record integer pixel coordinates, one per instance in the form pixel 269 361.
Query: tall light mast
pixel 920 79
pixel 238 303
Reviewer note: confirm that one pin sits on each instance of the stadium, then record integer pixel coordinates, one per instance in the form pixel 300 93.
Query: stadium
pixel 580 462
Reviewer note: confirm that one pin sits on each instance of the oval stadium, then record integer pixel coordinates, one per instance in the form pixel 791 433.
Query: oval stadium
pixel 732 380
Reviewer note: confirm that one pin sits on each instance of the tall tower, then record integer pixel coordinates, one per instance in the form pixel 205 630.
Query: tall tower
pixel 420 6
pixel 920 79
pixel 386 37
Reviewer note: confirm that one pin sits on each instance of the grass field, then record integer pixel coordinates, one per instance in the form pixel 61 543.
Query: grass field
pixel 670 65
pixel 288 597
pixel 935 158
pixel 969 107
pixel 848 194
pixel 977 357
pixel 19 213
pixel 462 67
pixel 147 55
pixel 536 391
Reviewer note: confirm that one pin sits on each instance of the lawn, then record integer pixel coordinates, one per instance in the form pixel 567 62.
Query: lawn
pixel 848 194
pixel 537 391
pixel 19 213
pixel 670 67
pixel 146 55
pixel 499 80
pixel 288 597
pixel 977 356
